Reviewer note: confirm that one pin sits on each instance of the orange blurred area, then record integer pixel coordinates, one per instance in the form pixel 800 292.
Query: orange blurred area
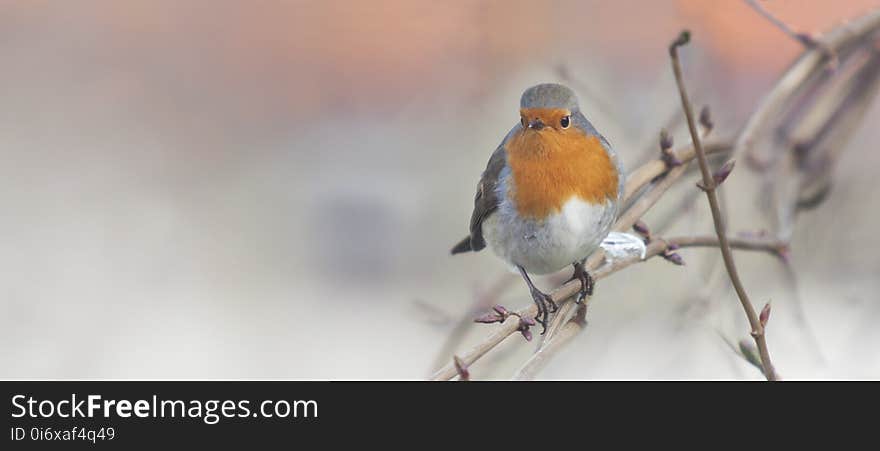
pixel 305 57
pixel 743 38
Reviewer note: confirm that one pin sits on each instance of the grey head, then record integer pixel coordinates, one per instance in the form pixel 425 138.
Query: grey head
pixel 549 95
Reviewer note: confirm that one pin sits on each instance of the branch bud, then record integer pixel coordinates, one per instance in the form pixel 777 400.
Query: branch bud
pixel 525 322
pixel 665 140
pixel 721 174
pixel 489 318
pixel 784 253
pixel 674 258
pixel 501 310
pixel 683 38
pixel 765 314
pixel 461 369
pixel 706 120
pixel 642 229
pixel 499 314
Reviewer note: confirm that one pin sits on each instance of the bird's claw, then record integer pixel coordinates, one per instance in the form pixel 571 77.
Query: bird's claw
pixel 586 280
pixel 545 305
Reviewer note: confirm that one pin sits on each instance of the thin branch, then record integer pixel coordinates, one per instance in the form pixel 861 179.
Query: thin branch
pixel 775 247
pixel 709 186
pixel 642 176
pixel 805 39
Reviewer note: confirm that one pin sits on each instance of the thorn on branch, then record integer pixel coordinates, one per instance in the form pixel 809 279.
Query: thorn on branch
pixel 463 373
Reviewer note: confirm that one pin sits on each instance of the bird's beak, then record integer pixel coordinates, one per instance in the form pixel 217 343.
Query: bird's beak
pixel 536 124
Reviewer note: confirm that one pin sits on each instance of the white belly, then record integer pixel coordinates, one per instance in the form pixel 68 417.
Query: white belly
pixel 543 247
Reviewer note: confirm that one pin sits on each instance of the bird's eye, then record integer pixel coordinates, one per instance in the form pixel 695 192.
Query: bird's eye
pixel 565 121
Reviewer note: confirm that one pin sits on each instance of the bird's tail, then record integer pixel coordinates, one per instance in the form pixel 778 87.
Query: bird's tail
pixel 462 246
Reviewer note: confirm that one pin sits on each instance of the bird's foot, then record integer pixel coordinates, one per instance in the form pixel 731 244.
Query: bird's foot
pixel 543 301
pixel 545 305
pixel 587 282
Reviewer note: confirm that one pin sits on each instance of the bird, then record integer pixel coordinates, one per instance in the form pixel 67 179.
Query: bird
pixel 549 195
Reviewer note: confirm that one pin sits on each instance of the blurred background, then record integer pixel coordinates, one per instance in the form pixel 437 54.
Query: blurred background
pixel 228 189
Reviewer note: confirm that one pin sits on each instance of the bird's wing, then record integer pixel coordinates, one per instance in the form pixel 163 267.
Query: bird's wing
pixel 618 163
pixel 485 202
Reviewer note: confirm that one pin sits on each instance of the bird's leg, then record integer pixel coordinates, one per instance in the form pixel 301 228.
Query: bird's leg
pixel 587 282
pixel 542 300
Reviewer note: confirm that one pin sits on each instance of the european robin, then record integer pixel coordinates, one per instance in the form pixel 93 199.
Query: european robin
pixel 550 193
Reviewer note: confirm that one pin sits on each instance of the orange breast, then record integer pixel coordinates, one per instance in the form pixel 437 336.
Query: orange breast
pixel 551 166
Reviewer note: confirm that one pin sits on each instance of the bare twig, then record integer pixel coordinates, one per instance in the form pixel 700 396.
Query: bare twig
pixel 806 39
pixel 709 185
pixel 774 247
